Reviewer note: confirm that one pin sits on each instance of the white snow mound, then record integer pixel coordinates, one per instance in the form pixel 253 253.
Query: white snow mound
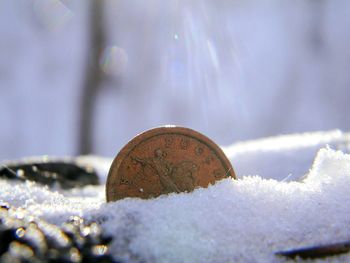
pixel 244 220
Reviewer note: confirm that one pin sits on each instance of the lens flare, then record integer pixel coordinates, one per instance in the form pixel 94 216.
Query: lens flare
pixel 52 14
pixel 114 61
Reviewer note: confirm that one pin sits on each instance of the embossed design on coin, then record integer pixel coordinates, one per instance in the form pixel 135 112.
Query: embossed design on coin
pixel 168 141
pixel 166 160
pixel 199 150
pixel 172 177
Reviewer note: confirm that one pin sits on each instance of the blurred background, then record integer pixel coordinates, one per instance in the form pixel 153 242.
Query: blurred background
pixel 84 77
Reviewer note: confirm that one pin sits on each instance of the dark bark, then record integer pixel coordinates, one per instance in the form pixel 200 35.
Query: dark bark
pixel 93 77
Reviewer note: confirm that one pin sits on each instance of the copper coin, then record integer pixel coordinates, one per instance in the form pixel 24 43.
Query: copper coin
pixel 166 160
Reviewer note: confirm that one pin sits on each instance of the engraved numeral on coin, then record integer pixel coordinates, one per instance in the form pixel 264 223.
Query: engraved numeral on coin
pixel 124 181
pixel 168 141
pixel 198 151
pixel 184 143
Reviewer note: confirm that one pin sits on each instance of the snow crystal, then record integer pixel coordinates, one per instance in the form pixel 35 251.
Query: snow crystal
pixel 244 220
pixel 283 157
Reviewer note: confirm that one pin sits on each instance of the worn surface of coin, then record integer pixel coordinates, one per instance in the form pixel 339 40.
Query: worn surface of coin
pixel 166 160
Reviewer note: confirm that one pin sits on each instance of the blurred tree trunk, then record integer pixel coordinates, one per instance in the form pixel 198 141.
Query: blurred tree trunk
pixel 316 32
pixel 93 76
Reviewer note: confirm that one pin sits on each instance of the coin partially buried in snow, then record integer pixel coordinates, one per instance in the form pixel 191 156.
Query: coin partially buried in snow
pixel 166 160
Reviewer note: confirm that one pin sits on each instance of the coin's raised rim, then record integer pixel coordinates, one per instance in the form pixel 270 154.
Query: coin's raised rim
pixel 134 142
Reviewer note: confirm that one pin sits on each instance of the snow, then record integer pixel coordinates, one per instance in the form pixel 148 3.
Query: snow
pixel 282 156
pixel 244 220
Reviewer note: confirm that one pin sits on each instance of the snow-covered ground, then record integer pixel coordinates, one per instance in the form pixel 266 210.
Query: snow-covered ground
pixel 244 220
